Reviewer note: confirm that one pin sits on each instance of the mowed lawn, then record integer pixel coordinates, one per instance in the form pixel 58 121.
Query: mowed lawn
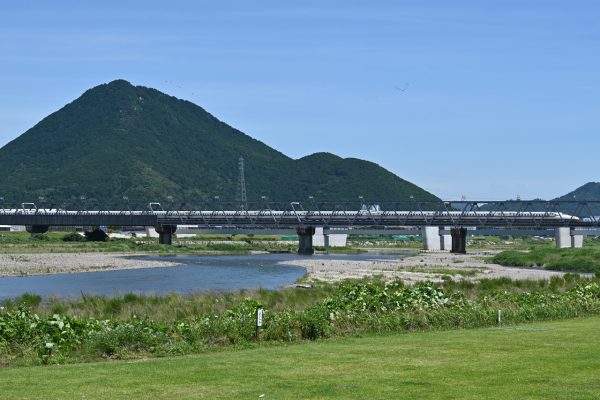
pixel 555 360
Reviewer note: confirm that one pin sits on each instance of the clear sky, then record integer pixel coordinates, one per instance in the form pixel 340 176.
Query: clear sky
pixel 486 99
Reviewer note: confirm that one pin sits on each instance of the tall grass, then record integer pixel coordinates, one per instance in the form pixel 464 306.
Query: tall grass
pixel 170 307
pixel 573 260
pixel 52 330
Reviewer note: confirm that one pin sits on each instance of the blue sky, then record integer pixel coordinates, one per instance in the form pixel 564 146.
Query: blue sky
pixel 486 99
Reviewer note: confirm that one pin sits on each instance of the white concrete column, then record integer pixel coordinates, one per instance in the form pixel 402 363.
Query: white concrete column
pixel 318 238
pixel 445 242
pixel 431 238
pixel 335 240
pixel 576 241
pixel 563 237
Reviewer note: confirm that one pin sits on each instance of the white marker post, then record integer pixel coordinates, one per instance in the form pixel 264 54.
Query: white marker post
pixel 259 321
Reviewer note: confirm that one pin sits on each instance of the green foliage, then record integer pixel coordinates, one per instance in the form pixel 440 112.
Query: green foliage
pixel 29 300
pixel 575 260
pixel 351 307
pixel 22 243
pixel 97 235
pixel 136 335
pixel 40 237
pixel 122 140
pixel 73 237
pixel 551 360
pixel 314 322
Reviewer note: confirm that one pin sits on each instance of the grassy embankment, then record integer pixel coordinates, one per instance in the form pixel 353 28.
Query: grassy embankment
pixel 23 242
pixel 507 243
pixel 557 360
pixel 586 259
pixel 91 328
pixel 175 306
pixel 53 242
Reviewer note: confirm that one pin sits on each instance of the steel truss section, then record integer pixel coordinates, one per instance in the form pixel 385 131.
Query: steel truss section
pixel 274 215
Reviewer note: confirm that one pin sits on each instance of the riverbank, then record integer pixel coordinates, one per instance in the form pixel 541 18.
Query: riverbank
pixel 420 267
pixel 413 268
pixel 469 364
pixel 61 263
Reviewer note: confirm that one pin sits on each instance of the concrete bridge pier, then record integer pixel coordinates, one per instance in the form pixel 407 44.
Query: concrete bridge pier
pixel 165 233
pixel 565 238
pixel 328 239
pixel 305 239
pixel 446 240
pixel 434 240
pixel 576 241
pixel 431 238
pixel 35 229
pixel 459 240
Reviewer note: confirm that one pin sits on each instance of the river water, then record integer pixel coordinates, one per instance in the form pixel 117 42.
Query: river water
pixel 197 274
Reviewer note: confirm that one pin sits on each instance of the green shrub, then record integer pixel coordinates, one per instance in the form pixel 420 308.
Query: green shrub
pixel 314 322
pixel 28 300
pixel 97 235
pixel 40 236
pixel 137 335
pixel 73 237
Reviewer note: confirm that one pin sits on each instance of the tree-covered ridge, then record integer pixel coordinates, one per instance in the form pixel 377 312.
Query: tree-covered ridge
pixel 588 192
pixel 122 140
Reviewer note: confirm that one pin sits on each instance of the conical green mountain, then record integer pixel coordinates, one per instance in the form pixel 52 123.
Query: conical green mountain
pixel 122 140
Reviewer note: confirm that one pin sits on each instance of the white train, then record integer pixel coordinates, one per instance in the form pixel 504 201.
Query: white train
pixel 307 214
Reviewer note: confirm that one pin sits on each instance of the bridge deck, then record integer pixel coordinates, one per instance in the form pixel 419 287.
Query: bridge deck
pixel 270 219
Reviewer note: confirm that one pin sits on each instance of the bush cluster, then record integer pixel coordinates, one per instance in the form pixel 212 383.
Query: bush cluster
pixel 73 237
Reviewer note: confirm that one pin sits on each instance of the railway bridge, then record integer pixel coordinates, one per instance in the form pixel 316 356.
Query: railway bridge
pixel 443 225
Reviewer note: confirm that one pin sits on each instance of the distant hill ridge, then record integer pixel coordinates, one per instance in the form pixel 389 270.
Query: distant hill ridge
pixel 121 140
pixel 588 192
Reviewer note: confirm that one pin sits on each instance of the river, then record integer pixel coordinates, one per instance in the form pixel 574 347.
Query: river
pixel 196 274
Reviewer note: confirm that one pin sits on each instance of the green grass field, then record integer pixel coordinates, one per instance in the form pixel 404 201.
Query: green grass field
pixel 553 360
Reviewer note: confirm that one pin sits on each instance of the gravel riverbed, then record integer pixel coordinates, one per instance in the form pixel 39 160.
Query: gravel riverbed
pixel 57 263
pixel 423 266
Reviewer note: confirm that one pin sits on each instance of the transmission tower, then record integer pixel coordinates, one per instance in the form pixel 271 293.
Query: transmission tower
pixel 242 184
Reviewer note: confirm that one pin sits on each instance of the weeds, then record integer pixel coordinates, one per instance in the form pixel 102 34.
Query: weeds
pixel 95 327
pixel 446 271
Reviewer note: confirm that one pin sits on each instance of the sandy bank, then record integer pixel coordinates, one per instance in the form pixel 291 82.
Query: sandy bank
pixel 57 263
pixel 424 266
